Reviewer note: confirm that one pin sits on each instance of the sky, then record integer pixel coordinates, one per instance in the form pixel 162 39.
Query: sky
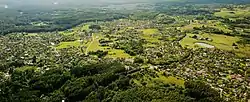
pixel 42 2
pixel 23 3
pixel 50 3
pixel 16 3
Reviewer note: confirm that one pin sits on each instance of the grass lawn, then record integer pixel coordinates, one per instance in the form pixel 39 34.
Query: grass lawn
pixel 32 34
pixel 171 80
pixel 150 31
pixel 94 45
pixel 68 44
pixel 188 41
pixel 237 14
pixel 150 35
pixel 116 53
pixel 219 41
pixel 160 80
pixel 26 68
pixel 222 41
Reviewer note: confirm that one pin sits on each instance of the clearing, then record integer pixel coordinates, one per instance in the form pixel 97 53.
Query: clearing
pixel 151 35
pixel 219 41
pixel 233 14
pixel 157 78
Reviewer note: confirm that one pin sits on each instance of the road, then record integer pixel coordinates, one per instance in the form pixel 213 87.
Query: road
pixel 93 39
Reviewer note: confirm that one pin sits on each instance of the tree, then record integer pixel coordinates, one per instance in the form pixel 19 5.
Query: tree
pixel 145 94
pixel 99 53
pixel 76 89
pixel 202 92
pixel 138 60
pixel 50 81
pixel 95 27
pixel 18 88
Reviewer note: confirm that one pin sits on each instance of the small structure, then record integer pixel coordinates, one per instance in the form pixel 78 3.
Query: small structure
pixel 205 45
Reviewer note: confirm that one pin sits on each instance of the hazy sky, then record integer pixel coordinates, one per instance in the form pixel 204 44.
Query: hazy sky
pixel 18 3
pixel 28 2
pixel 65 3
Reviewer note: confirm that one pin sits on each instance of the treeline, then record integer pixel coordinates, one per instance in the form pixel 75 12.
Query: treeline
pixel 57 84
pixel 47 21
pixel 182 9
pixel 244 24
pixel 100 82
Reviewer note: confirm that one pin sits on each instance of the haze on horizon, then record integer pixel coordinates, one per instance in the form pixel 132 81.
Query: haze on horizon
pixel 64 3
pixel 71 3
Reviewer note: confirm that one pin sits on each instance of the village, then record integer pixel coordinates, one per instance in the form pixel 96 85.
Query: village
pixel 181 47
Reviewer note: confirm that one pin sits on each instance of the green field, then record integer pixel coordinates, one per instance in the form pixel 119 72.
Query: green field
pixel 116 53
pixel 233 14
pixel 188 41
pixel 73 31
pixel 76 30
pixel 68 44
pixel 210 23
pixel 151 35
pixel 219 41
pixel 94 45
pixel 171 80
pixel 151 81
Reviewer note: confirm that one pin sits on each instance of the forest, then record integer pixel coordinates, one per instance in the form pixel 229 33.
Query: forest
pixel 133 51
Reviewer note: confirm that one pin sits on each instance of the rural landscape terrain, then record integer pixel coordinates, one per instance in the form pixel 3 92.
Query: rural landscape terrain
pixel 125 51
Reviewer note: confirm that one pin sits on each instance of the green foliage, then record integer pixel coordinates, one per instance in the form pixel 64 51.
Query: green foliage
pixel 76 89
pixel 143 15
pixel 99 53
pixel 92 69
pixel 144 94
pixel 95 27
pixel 202 92
pixel 63 65
pixel 18 89
pixel 50 21
pixel 50 81
pixel 138 60
pixel 244 41
pixel 132 47
pixel 164 19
